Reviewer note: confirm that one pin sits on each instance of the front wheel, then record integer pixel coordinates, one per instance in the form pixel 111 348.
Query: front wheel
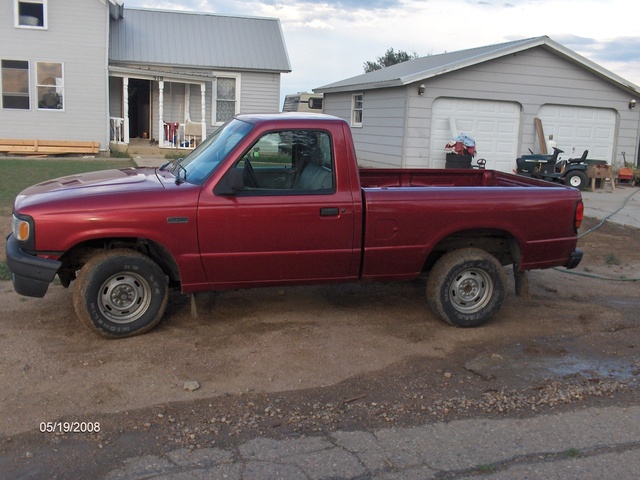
pixel 466 287
pixel 120 293
pixel 576 179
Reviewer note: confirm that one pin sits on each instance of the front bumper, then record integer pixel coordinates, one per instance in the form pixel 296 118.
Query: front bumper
pixel 31 275
pixel 575 259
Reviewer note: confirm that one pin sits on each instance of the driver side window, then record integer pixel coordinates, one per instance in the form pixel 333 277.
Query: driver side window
pixel 289 162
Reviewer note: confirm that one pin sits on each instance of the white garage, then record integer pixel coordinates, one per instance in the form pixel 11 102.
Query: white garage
pixel 495 94
pixel 494 125
pixel 576 129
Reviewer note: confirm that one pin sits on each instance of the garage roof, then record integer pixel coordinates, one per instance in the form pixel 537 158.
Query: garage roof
pixel 200 40
pixel 424 68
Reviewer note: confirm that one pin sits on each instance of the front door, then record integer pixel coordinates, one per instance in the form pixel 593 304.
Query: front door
pixel 139 111
pixel 289 224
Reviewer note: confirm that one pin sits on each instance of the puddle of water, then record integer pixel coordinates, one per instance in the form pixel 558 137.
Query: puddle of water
pixel 520 368
pixel 591 367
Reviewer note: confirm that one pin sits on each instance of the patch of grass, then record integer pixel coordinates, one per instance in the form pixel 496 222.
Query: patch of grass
pixel 573 453
pixel 19 173
pixel 612 259
pixel 486 469
pixel 118 154
pixel 4 271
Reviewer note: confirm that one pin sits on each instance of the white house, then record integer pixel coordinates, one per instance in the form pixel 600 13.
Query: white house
pixel 94 71
pixel 404 115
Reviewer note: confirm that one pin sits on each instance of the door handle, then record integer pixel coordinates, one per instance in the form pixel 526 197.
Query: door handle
pixel 329 212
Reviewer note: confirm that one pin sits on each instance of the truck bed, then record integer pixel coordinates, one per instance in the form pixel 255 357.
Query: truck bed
pixel 408 212
pixel 388 178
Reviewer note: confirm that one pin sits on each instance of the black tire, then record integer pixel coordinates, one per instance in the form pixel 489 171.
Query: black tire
pixel 120 293
pixel 577 179
pixel 466 287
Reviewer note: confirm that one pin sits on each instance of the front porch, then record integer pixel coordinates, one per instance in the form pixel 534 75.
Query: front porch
pixel 169 110
pixel 185 136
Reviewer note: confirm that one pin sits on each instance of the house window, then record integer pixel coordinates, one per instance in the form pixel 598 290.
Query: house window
pixel 15 84
pixel 225 101
pixel 357 103
pixel 50 86
pixel 31 13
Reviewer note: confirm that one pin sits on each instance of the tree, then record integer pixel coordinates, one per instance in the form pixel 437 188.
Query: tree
pixel 391 57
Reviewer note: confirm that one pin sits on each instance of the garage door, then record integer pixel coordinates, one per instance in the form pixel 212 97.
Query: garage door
pixel 576 129
pixel 494 125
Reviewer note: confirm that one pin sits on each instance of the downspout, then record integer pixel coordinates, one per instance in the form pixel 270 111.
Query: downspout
pixel 107 114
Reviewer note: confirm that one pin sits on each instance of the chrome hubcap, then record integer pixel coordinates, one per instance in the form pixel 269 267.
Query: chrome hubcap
pixel 124 297
pixel 471 290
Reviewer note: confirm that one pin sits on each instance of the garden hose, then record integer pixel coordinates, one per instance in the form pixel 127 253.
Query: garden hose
pixel 624 204
pixel 598 277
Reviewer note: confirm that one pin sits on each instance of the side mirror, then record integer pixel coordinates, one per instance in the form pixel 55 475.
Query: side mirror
pixel 230 183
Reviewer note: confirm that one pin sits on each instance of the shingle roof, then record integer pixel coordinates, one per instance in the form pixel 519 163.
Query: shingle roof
pixel 159 37
pixel 424 68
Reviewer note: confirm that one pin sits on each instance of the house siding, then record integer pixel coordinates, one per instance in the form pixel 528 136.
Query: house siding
pixel 76 38
pixel 260 92
pixel 379 142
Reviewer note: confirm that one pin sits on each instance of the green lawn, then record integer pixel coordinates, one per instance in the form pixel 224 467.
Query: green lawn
pixel 18 174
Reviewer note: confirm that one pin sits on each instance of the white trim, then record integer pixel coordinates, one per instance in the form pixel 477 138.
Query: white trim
pixel 29 92
pixel 16 15
pixel 237 77
pixel 38 86
pixel 354 122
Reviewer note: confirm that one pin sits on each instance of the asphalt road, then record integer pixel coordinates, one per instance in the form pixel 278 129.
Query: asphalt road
pixel 597 443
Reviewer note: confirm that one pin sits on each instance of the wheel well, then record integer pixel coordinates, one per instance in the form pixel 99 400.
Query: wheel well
pixel 496 242
pixel 74 259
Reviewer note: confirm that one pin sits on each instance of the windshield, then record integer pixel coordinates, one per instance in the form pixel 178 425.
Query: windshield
pixel 199 164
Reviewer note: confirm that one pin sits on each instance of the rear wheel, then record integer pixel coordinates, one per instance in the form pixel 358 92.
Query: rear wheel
pixel 466 287
pixel 576 179
pixel 120 293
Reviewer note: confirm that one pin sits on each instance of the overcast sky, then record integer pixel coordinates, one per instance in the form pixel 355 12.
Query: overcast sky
pixel 329 40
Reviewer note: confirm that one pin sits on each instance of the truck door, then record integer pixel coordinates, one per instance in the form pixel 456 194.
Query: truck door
pixel 290 221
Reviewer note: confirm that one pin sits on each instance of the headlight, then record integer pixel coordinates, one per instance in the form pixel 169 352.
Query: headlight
pixel 22 228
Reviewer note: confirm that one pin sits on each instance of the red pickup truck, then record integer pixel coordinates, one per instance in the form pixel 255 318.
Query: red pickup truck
pixel 279 200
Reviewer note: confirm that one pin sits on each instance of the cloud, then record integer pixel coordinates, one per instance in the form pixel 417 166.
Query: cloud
pixel 330 40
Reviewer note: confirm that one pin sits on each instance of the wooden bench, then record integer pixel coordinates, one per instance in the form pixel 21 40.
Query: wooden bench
pixel 47 147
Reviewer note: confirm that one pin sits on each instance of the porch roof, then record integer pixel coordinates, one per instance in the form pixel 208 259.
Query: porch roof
pixel 157 37
pixel 148 73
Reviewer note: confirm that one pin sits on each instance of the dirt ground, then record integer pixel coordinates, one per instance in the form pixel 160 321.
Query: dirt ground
pixel 282 360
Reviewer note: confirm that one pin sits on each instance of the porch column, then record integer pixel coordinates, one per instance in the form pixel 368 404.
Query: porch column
pixel 125 107
pixel 203 109
pixel 187 103
pixel 160 112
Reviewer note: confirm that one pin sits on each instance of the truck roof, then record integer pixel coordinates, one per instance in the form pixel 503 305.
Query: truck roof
pixel 287 117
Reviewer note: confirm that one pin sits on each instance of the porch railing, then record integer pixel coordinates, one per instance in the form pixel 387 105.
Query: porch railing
pixel 117 129
pixel 180 135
